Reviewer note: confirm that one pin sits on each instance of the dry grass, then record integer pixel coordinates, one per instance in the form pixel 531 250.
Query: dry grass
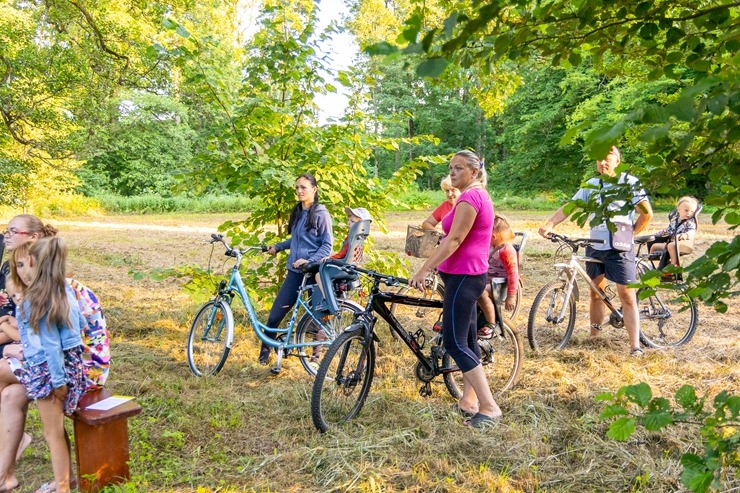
pixel 245 430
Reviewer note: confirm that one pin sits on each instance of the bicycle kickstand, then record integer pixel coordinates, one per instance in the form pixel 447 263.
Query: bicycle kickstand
pixel 425 390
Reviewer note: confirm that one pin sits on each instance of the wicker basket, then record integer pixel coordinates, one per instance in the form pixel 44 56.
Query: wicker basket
pixel 421 242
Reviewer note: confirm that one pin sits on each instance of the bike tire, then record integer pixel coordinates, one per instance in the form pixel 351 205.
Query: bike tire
pixel 668 318
pixel 502 359
pixel 343 380
pixel 207 352
pixel 543 332
pixel 307 330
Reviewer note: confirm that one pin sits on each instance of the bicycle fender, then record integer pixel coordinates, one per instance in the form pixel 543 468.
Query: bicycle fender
pixel 576 295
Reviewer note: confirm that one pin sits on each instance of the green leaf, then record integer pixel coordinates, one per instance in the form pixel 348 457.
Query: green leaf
pixel 686 396
pixel 648 31
pixel 696 476
pixel 168 24
pixel 621 429
pixel 656 420
pixel 432 67
pixel 501 45
pixel 716 104
pixel 600 140
pixel 182 32
pixel 570 134
pixel 674 57
pixel 640 393
pixel 642 9
pixel 604 396
pixel 613 410
pixel 450 23
pixel 575 58
pixel 655 133
pixel 683 109
pixel 382 48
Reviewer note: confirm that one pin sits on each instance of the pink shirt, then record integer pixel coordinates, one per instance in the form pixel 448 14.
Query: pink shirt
pixel 471 257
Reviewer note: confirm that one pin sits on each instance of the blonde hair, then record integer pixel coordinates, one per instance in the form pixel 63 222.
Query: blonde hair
pixel 689 198
pixel 445 181
pixel 472 161
pixel 34 225
pixel 47 295
pixel 503 231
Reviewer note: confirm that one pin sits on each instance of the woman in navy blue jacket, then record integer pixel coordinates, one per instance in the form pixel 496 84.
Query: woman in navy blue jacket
pixel 310 241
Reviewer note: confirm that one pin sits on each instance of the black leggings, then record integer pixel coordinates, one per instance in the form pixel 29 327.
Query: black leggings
pixel 459 321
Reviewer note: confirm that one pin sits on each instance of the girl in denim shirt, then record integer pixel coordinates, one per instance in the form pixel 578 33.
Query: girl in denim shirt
pixel 50 322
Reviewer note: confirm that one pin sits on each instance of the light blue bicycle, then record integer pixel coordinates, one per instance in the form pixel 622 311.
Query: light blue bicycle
pixel 212 332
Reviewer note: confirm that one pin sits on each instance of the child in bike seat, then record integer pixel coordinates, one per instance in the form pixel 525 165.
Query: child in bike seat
pixel 681 228
pixel 327 273
pixel 503 261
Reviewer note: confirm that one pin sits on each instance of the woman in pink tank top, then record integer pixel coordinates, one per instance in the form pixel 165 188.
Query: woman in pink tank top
pixel 462 261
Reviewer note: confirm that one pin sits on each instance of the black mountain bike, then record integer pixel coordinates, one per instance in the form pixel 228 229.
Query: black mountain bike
pixel 346 372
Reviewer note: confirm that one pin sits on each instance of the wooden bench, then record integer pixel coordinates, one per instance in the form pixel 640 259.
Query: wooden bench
pixel 101 442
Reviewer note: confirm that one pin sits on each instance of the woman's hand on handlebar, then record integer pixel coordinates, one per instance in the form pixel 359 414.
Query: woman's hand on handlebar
pixel 297 264
pixel 419 280
pixel 271 250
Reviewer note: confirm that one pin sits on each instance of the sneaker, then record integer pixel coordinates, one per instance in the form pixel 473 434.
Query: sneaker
pixel 637 352
pixel 486 332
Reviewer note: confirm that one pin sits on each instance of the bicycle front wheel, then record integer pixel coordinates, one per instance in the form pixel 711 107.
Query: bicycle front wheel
pixel 501 357
pixel 210 339
pixel 308 331
pixel 668 318
pixel 551 318
pixel 343 380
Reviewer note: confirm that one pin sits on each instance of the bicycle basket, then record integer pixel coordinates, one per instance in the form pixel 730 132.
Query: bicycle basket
pixel 421 242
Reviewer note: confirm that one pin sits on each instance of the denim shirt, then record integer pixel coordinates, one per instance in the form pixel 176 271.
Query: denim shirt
pixel 312 244
pixel 51 340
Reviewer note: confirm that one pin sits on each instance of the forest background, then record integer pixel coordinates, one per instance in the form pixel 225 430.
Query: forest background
pixel 202 102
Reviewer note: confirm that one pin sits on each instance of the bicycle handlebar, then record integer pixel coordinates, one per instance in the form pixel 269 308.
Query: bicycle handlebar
pixel 574 243
pixel 232 252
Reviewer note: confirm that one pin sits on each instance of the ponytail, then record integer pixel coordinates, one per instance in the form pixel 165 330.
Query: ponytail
pixel 47 296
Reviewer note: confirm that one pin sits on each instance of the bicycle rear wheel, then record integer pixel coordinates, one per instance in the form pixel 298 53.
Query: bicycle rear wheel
pixel 308 331
pixel 501 357
pixel 668 318
pixel 343 380
pixel 547 330
pixel 210 339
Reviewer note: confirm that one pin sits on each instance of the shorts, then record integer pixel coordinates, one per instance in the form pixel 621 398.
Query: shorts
pixel 618 267
pixel 36 379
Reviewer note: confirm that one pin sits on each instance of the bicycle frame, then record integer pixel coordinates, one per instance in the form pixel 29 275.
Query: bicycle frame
pixel 569 272
pixel 236 285
pixel 379 303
